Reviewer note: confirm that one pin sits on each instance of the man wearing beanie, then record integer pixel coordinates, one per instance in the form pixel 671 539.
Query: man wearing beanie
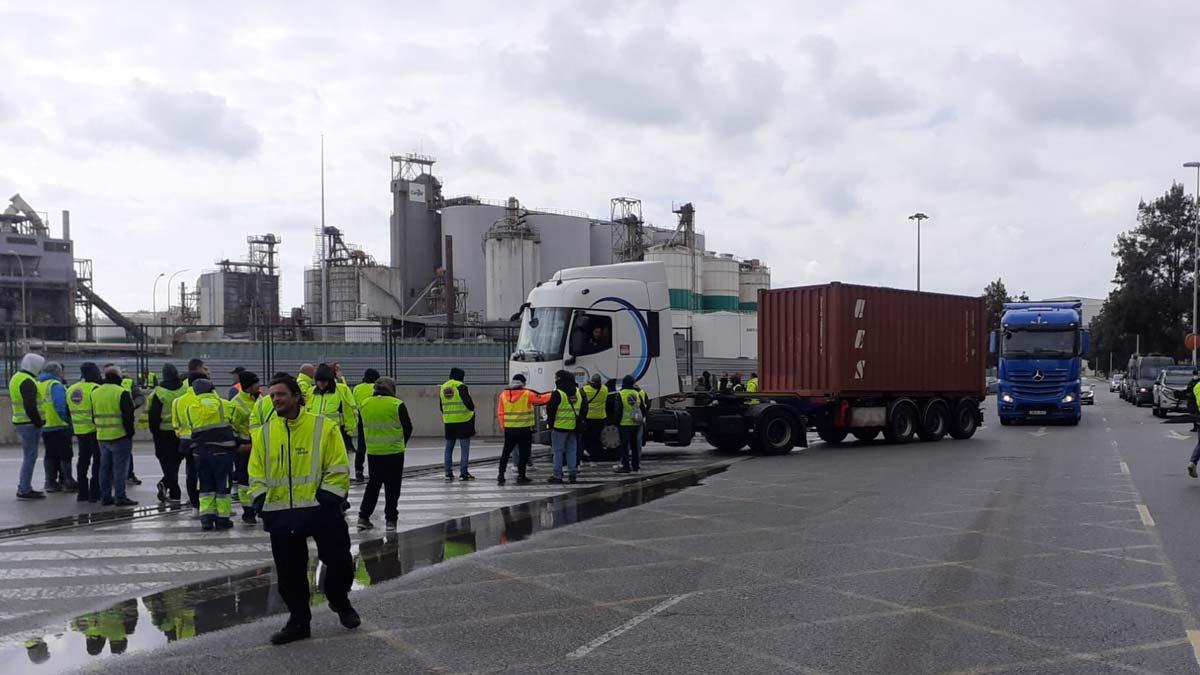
pixel 514 410
pixel 386 428
pixel 244 403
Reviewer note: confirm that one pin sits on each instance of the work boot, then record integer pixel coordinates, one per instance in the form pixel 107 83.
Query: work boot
pixel 107 501
pixel 364 524
pixel 125 501
pixel 249 517
pixel 70 485
pixel 1192 469
pixel 291 633
pixel 32 494
pixel 208 526
pixel 52 487
pixel 622 469
pixel 224 524
pixel 555 480
pixel 359 477
pixel 449 478
pixel 348 617
pixel 133 480
pixel 161 492
pixel 500 480
pixel 466 476
pixel 391 525
pixel 571 479
pixel 524 480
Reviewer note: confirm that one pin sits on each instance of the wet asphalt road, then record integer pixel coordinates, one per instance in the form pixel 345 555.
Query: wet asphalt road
pixel 1024 550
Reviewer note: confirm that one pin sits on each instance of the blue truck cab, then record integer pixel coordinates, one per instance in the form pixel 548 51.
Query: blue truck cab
pixel 1040 347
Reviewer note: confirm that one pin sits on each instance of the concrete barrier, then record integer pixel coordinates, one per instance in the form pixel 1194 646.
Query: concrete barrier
pixel 421 400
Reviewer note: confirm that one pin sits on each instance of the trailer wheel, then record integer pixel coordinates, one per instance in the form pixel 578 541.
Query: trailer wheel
pixel 610 444
pixel 936 421
pixel 776 432
pixel 865 435
pixel 832 436
pixel 726 443
pixel 962 424
pixel 902 423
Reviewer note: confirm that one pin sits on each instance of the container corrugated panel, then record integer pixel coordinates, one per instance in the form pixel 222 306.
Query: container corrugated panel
pixel 845 340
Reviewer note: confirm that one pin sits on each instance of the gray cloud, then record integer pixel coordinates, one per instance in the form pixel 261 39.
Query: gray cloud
pixel 176 122
pixel 1079 92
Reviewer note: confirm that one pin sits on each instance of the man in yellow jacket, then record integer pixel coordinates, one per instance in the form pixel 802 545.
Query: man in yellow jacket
pixel 299 479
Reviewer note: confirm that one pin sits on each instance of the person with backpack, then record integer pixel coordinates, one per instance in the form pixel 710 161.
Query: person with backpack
pixel 633 415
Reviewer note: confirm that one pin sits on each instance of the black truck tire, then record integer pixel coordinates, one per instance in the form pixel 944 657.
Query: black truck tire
pixel 725 443
pixel 935 423
pixel 962 421
pixel 865 435
pixel 776 432
pixel 902 423
pixel 610 444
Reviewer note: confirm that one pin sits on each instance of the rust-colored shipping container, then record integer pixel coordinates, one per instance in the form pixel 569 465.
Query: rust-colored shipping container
pixel 840 340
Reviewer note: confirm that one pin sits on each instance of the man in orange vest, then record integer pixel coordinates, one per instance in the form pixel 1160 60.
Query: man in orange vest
pixel 514 409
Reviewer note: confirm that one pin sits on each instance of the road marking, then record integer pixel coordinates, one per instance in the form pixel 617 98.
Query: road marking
pixel 1124 468
pixel 628 625
pixel 1178 436
pixel 1039 433
pixel 1144 512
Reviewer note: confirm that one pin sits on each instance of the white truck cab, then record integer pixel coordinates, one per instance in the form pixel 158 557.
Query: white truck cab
pixel 611 320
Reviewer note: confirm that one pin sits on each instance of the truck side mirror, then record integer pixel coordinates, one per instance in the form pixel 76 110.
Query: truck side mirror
pixel 1085 342
pixel 993 342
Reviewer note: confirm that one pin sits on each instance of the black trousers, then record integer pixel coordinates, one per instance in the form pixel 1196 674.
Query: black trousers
pixel 290 550
pixel 591 438
pixel 166 451
pixel 89 457
pixel 361 456
pixel 522 440
pixel 58 451
pixel 192 481
pixel 386 471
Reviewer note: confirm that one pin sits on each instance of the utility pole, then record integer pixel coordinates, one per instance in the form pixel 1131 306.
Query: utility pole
pixel 918 216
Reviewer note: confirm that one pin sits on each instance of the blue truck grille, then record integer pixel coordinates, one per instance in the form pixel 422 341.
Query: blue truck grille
pixel 1023 384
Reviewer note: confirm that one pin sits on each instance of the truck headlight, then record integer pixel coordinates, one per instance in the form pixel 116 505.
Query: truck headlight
pixel 1006 397
pixel 1143 390
pixel 1069 398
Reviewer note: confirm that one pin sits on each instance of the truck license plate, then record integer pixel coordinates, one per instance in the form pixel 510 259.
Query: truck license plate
pixel 1037 412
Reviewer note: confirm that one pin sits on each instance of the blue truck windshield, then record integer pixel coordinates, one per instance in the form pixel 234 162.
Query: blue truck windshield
pixel 1039 344
pixel 543 332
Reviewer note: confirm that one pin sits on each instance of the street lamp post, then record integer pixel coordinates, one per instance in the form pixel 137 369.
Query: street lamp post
pixel 24 308
pixel 154 296
pixel 918 216
pixel 1195 254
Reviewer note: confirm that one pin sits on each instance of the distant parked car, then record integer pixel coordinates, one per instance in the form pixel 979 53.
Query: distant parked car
pixel 1115 384
pixel 992 385
pixel 1087 394
pixel 1171 392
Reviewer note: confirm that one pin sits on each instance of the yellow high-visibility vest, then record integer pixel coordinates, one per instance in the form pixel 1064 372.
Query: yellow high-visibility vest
pixel 454 410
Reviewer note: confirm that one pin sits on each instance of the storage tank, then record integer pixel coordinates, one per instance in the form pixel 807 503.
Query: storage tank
pixel 469 224
pixel 720 282
pixel 752 275
pixel 342 297
pixel 685 274
pixel 839 340
pixel 720 333
pixel 565 241
pixel 512 257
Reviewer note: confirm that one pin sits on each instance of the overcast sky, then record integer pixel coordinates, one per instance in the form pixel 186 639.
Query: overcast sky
pixel 804 132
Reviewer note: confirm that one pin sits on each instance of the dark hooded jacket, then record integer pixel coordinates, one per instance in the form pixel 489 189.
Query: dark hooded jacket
pixel 460 429
pixel 565 384
pixel 170 381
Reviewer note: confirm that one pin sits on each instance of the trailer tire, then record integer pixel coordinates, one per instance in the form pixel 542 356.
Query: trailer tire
pixel 610 444
pixel 902 423
pixel 962 422
pixel 935 422
pixel 865 435
pixel 725 443
pixel 832 436
pixel 776 432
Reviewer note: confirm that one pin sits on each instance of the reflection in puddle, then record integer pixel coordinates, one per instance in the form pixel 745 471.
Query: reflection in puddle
pixel 214 604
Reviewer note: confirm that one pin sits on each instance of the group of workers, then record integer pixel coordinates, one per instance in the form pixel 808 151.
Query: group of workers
pixel 287 448
pixel 727 383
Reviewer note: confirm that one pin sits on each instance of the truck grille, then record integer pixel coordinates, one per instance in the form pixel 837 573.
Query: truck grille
pixel 1023 384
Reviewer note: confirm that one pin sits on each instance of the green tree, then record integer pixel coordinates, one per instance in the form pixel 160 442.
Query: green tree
pixel 1151 303
pixel 995 295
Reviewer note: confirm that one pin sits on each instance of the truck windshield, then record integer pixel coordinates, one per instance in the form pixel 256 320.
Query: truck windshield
pixel 543 332
pixel 1039 344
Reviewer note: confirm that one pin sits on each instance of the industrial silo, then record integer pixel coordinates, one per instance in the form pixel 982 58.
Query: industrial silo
pixel 512 259
pixel 468 225
pixel 685 274
pixel 720 282
pixel 566 240
pixel 752 276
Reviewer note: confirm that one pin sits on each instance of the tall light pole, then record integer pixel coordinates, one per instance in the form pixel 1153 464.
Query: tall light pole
pixel 154 296
pixel 1195 254
pixel 169 280
pixel 918 216
pixel 24 309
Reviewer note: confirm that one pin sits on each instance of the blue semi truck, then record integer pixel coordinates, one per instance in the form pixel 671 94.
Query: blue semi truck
pixel 1041 347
